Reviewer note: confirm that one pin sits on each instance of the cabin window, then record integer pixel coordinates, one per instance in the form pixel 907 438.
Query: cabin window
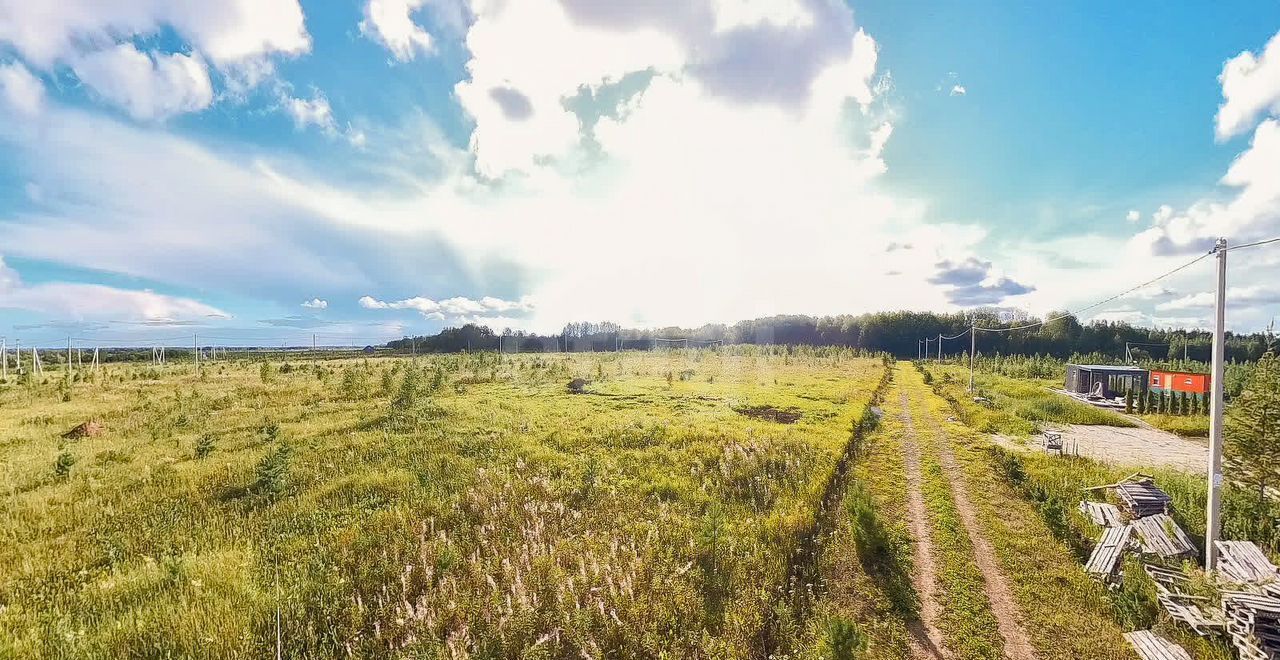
pixel 1155 380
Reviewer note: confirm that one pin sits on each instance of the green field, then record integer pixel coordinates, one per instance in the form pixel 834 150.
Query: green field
pixel 468 503
pixel 732 503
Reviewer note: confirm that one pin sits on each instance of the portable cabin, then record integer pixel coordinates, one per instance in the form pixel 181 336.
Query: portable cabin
pixel 1115 380
pixel 1179 381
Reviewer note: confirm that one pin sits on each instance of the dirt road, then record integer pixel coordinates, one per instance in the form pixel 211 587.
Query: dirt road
pixel 1017 645
pixel 926 638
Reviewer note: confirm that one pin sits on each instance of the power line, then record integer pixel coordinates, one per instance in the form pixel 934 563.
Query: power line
pixel 1101 302
pixel 1230 248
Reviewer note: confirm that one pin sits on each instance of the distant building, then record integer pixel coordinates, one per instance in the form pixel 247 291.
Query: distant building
pixel 1179 381
pixel 1104 379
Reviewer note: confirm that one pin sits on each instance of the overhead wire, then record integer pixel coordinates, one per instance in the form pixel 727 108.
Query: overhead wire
pixel 1086 308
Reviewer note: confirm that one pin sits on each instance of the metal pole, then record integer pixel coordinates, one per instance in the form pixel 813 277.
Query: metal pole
pixel 973 343
pixel 195 350
pixel 1213 523
pixel 68 359
pixel 939 348
pixel 4 359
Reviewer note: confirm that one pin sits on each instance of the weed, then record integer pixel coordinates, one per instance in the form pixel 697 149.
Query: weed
pixel 62 466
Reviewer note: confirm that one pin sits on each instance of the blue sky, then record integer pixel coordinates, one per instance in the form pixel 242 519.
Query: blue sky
pixel 265 170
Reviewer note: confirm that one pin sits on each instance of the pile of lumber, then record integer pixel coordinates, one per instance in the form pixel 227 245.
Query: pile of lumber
pixel 1162 537
pixel 1104 563
pixel 1142 498
pixel 1244 563
pixel 1253 624
pixel 1150 646
pixel 1101 513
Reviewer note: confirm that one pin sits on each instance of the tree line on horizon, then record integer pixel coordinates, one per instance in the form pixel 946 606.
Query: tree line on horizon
pixel 897 333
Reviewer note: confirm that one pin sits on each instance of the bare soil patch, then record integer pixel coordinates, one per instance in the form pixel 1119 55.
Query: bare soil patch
pixel 1144 446
pixel 771 414
pixel 89 429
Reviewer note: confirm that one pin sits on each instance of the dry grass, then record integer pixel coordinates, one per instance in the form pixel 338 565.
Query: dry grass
pixel 454 505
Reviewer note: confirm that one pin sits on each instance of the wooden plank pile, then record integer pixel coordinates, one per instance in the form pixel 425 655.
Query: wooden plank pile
pixel 1168 580
pixel 1253 623
pixel 1102 514
pixel 1142 498
pixel 1150 646
pixel 1104 563
pixel 1243 562
pixel 1162 537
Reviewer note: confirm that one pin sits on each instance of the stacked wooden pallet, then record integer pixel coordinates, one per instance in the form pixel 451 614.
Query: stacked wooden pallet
pixel 1102 513
pixel 1150 646
pixel 1104 563
pixel 1162 537
pixel 1142 498
pixel 1253 623
pixel 1243 562
pixel 1168 580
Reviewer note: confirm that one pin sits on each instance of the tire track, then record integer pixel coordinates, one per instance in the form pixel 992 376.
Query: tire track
pixel 1017 644
pixel 926 639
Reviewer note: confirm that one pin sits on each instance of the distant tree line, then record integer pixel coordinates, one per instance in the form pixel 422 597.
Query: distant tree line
pixel 897 333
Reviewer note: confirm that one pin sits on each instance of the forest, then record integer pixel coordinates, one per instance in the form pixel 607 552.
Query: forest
pixel 897 333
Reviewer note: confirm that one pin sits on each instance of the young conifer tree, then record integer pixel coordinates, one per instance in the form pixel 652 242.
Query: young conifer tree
pixel 1253 427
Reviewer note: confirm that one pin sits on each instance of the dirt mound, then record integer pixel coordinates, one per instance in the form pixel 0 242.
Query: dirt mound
pixel 89 429
pixel 577 386
pixel 769 413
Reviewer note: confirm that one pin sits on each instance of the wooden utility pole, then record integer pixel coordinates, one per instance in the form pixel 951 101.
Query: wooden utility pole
pixel 1213 523
pixel 973 344
pixel 68 359
pixel 4 359
pixel 195 350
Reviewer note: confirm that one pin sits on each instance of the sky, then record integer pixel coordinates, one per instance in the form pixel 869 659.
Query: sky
pixel 259 171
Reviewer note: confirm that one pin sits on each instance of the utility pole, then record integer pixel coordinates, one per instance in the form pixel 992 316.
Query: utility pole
pixel 919 343
pixel 1213 523
pixel 68 359
pixel 17 354
pixel 195 350
pixel 939 348
pixel 973 344
pixel 4 359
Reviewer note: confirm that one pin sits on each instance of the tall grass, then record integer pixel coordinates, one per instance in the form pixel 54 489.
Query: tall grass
pixel 467 504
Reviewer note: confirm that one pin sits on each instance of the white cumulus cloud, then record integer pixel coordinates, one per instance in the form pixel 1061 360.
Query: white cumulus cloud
pixel 316 303
pixel 97 41
pixel 1250 87
pixel 79 301
pixel 390 23
pixel 310 112
pixel 22 92
pixel 456 307
pixel 146 85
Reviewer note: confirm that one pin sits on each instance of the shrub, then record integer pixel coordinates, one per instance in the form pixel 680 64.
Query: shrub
pixel 272 471
pixel 844 640
pixel 62 466
pixel 264 372
pixel 205 445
